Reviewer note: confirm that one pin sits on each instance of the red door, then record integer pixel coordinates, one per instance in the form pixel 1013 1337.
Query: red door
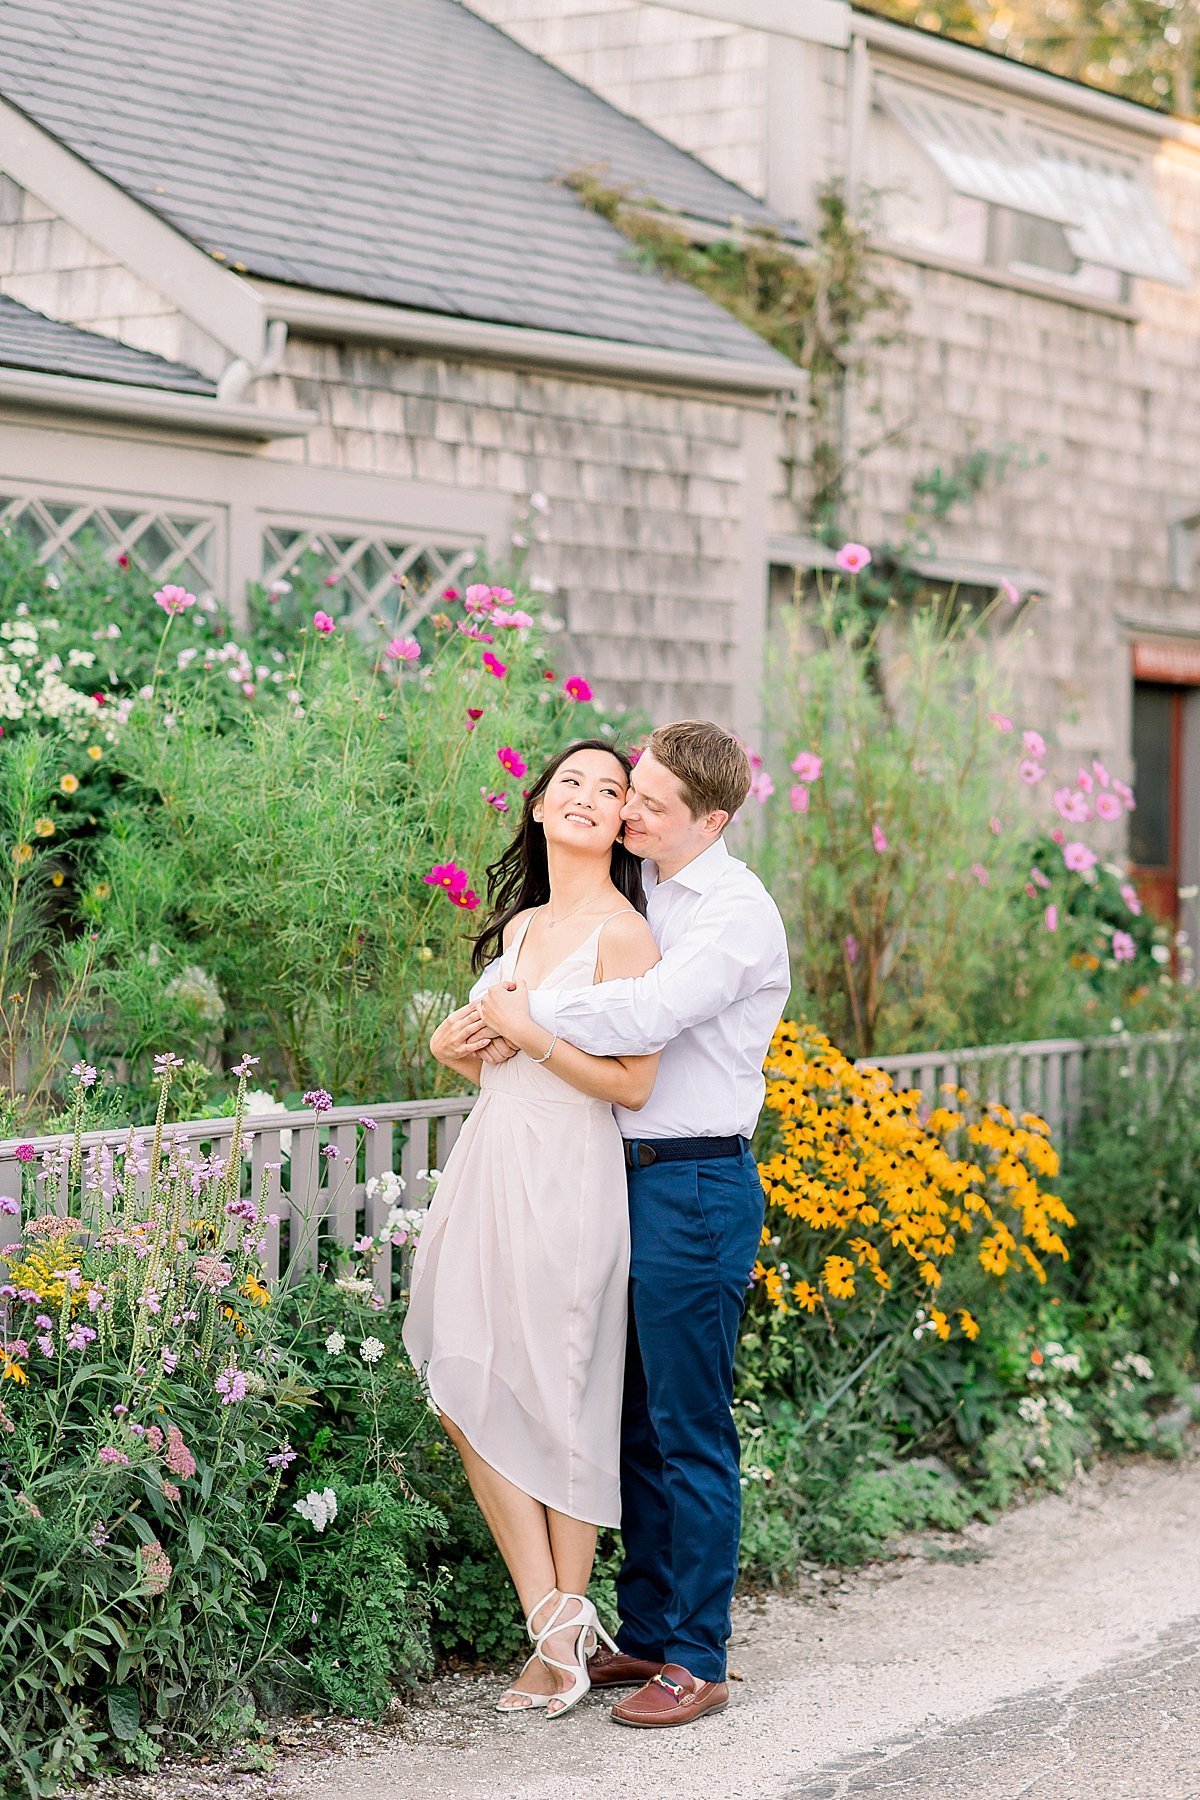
pixel 1154 839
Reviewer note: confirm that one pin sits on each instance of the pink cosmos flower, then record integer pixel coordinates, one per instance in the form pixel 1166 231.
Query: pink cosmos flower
pixel 1078 857
pixel 1030 772
pixel 476 632
pixel 980 874
pixel 761 787
pixel 501 596
pixel 404 649
pixel 1100 772
pixel 1051 918
pixel 1129 895
pixel 466 898
pixel 1107 806
pixel 1058 835
pixel 323 623
pixel 850 947
pixel 852 558
pixel 512 763
pixel 1035 744
pixel 515 620
pixel 448 876
pixel 1083 780
pixel 1031 890
pixel 478 597
pixel 1010 590
pixel 474 714
pixel 576 688
pixel 878 838
pixel 799 798
pixel 1000 721
pixel 494 666
pixel 498 801
pixel 1043 881
pixel 807 766
pixel 174 599
pixel 1123 947
pixel 1071 806
pixel 994 826
pixel 1124 794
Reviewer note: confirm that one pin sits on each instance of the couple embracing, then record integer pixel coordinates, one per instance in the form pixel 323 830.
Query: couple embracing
pixel 578 1286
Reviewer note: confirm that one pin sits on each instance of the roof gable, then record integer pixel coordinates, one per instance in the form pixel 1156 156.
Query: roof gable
pixel 30 340
pixel 406 153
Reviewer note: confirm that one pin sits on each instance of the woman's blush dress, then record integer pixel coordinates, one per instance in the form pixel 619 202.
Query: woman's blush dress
pixel 519 1283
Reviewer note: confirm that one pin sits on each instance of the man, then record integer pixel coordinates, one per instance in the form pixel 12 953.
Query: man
pixel 696 1207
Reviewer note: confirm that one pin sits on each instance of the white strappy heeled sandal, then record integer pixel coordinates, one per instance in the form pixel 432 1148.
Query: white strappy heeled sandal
pixel 590 1633
pixel 525 1701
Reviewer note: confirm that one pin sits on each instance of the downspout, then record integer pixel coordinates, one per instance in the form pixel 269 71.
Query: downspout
pixel 858 113
pixel 241 375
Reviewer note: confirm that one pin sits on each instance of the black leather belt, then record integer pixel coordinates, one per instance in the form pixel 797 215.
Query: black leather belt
pixel 679 1149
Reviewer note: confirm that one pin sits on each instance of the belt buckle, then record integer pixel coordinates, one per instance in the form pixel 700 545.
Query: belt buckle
pixel 647 1154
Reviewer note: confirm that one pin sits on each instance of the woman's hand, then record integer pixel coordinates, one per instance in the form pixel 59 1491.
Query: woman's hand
pixel 451 1042
pixel 505 1012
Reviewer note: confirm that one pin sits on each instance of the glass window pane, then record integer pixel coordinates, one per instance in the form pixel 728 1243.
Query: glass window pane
pixel 1153 744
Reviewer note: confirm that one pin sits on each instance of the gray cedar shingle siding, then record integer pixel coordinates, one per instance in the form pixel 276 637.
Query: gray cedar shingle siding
pixel 29 340
pixel 397 150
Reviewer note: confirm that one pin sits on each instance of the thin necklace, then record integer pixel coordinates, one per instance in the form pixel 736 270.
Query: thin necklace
pixel 552 921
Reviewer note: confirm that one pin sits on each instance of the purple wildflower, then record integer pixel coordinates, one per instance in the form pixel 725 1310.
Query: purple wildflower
pixel 318 1099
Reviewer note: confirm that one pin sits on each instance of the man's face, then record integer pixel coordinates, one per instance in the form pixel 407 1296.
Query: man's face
pixel 658 822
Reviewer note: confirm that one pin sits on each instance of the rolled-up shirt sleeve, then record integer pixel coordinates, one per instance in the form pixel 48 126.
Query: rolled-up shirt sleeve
pixel 487 979
pixel 730 951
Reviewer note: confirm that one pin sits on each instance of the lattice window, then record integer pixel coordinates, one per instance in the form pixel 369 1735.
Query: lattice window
pixel 372 572
pixel 165 543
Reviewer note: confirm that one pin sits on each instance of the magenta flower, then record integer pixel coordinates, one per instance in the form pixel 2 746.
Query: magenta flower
pixel 475 631
pixel 852 558
pixel 448 876
pixel 174 599
pixel 1035 744
pixel 576 688
pixel 1010 590
pixel 474 714
pixel 807 766
pixel 498 801
pixel 323 623
pixel 1031 772
pixel 1100 772
pixel 403 649
pixel 980 874
pixel 878 838
pixel 478 598
pixel 1000 720
pixel 466 898
pixel 1123 947
pixel 25 1153
pixel 494 666
pixel 1107 806
pixel 1043 881
pixel 1129 895
pixel 850 947
pixel 512 762
pixel 319 1099
pixel 799 798
pixel 1051 918
pixel 1083 780
pixel 1071 806
pixel 1078 857
pixel 9 1205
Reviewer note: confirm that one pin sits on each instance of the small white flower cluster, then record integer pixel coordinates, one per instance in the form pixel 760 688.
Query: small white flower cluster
pixel 319 1509
pixel 197 989
pixel 1133 1364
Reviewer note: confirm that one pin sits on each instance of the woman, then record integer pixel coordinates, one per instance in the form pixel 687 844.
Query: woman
pixel 518 1303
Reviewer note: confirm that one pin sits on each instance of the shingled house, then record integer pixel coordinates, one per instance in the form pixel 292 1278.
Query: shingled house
pixel 306 274
pixel 1045 240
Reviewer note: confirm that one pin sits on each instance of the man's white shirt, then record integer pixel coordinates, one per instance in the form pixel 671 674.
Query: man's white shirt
pixel 710 1006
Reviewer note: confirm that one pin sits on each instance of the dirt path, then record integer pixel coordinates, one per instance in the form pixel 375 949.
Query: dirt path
pixel 1053 1655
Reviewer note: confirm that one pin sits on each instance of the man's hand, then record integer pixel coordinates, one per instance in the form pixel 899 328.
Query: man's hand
pixel 505 1010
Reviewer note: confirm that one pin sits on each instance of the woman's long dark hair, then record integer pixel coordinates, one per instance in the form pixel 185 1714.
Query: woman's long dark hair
pixel 521 877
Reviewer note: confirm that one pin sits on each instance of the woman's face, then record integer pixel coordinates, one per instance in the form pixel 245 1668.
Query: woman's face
pixel 581 807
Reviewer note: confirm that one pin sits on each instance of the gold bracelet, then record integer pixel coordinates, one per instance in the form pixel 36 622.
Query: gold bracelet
pixel 546 1058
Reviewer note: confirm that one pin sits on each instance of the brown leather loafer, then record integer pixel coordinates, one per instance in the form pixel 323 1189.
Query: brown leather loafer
pixel 672 1697
pixel 614 1669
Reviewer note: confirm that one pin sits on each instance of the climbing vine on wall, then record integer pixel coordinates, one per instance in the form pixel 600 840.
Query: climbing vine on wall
pixel 821 304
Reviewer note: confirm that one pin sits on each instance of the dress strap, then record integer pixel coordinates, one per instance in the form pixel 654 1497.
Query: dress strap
pixel 514 949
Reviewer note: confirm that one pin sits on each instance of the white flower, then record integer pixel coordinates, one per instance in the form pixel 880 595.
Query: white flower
pixel 197 989
pixel 1032 1408
pixel 335 1343
pixel 370 1350
pixel 319 1509
pixel 354 1284
pixel 80 659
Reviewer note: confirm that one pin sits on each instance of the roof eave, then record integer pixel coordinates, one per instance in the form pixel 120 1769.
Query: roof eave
pixel 367 321
pixel 149 406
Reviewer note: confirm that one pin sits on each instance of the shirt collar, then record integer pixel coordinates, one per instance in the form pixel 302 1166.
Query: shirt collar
pixel 699 875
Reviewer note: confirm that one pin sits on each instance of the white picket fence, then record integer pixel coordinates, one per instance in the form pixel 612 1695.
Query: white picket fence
pixel 314 1197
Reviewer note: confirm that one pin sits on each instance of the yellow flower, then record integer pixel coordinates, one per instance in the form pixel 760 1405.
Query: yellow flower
pixel 22 853
pixel 970 1327
pixel 44 827
pixel 839 1277
pixel 95 752
pixel 254 1290
pixel 806 1296
pixel 56 880
pixel 940 1322
pixel 13 1370
pixel 101 891
pixel 69 784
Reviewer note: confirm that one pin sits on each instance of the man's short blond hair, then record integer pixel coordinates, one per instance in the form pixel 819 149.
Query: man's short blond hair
pixel 707 761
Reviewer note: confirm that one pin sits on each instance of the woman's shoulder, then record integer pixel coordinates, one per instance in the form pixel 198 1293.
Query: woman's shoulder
pixel 627 934
pixel 515 924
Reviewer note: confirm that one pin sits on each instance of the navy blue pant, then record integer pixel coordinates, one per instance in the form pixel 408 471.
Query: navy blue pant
pixel 695 1230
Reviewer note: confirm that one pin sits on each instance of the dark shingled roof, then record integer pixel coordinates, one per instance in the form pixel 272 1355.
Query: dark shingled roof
pixel 29 340
pixel 397 150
